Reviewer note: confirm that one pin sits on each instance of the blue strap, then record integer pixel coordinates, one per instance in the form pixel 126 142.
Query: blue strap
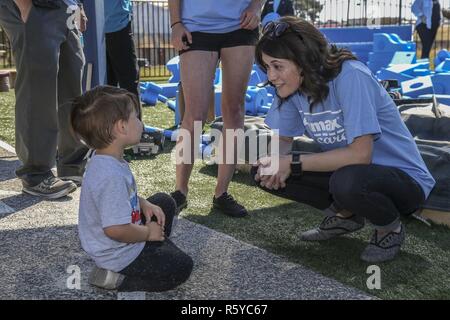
pixel 276 4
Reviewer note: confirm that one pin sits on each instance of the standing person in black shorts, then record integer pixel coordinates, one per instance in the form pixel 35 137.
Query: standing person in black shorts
pixel 204 31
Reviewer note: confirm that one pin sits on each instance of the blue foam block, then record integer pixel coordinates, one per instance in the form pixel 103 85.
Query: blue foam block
pixel 384 42
pixel 150 93
pixel 387 74
pixel 441 56
pixel 378 60
pixel 404 57
pixel 444 66
pixel 441 98
pixel 173 65
pixel 169 89
pixel 418 86
pixel 254 78
pixel 441 83
pixel 262 75
pixel 365 34
pixel 255 100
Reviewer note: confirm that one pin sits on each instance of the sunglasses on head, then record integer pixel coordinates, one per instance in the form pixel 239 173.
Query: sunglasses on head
pixel 275 29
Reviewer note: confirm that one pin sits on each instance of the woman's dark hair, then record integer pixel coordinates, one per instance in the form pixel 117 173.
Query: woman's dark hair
pixel 307 47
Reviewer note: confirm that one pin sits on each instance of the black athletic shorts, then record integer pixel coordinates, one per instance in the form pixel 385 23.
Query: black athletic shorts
pixel 215 41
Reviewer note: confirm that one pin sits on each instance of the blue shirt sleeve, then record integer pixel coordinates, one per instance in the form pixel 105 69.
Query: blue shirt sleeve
pixel 286 118
pixel 358 94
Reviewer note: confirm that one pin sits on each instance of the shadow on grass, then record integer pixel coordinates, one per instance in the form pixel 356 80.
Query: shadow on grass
pixel 8 166
pixel 277 230
pixel 239 177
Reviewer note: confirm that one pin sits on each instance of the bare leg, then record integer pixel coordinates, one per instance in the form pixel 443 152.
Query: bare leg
pixel 237 64
pixel 197 76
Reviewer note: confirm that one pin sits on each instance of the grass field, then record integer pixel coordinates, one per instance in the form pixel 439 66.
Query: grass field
pixel 420 272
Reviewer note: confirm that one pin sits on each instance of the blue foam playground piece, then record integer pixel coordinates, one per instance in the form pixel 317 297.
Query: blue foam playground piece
pixel 418 86
pixel 441 98
pixel 384 42
pixel 173 65
pixel 441 83
pixel 404 57
pixel 444 66
pixel 441 56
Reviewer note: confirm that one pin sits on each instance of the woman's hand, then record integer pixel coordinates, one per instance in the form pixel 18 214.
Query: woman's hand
pixel 181 38
pixel 149 209
pixel 251 17
pixel 272 175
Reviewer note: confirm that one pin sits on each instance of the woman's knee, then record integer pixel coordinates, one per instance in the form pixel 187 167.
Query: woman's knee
pixel 346 183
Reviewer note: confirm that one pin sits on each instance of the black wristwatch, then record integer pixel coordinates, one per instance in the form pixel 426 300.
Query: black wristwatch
pixel 296 164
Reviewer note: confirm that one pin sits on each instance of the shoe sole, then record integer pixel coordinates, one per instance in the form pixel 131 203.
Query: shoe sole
pixel 217 207
pixel 105 279
pixel 56 195
pixel 331 236
pixel 75 180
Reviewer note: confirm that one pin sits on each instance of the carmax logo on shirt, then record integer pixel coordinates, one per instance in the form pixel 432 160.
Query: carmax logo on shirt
pixel 326 131
pixel 320 126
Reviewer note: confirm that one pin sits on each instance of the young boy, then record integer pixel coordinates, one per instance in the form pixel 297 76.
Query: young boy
pixel 123 233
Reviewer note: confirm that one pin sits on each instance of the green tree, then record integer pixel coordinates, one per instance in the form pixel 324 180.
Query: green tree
pixel 308 9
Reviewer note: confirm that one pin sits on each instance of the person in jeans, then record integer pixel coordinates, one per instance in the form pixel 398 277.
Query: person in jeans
pixel 49 61
pixel 428 13
pixel 277 8
pixel 446 13
pixel 369 167
pixel 123 233
pixel 121 60
pixel 204 31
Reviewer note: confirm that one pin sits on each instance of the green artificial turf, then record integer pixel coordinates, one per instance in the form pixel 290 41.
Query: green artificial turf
pixel 421 271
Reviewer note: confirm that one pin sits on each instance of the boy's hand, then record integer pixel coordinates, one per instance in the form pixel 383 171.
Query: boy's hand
pixel 156 232
pixel 149 209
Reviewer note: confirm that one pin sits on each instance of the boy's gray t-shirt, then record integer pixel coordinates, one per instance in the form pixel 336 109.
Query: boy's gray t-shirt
pixel 108 197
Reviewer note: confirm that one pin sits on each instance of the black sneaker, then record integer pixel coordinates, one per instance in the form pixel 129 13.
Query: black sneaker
pixel 180 200
pixel 51 188
pixel 227 205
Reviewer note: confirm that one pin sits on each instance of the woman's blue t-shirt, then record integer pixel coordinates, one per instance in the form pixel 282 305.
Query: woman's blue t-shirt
pixel 357 105
pixel 212 16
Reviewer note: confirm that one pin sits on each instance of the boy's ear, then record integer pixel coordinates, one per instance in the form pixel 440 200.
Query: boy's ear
pixel 121 127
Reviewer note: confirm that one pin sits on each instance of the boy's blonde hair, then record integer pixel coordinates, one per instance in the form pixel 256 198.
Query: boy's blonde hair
pixel 95 112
